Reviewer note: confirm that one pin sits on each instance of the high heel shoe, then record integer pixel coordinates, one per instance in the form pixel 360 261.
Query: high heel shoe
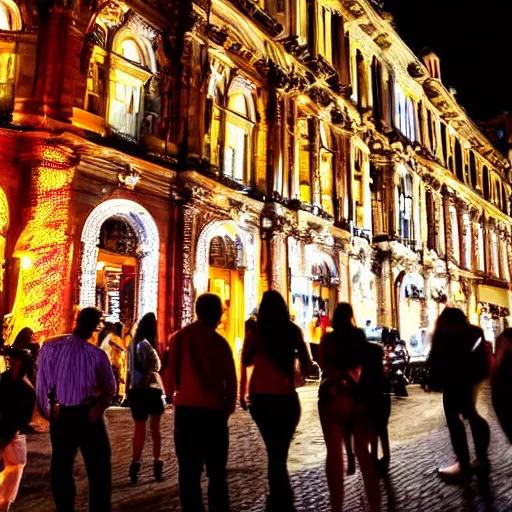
pixel 134 472
pixel 158 469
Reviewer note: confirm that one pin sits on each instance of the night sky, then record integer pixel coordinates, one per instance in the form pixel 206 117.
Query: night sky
pixel 474 43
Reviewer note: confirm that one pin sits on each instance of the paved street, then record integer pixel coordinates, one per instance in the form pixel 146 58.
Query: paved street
pixel 419 445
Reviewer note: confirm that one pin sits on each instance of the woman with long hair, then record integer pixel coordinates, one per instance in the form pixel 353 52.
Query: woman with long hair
pixel 344 403
pixel 276 351
pixel 457 363
pixel 146 394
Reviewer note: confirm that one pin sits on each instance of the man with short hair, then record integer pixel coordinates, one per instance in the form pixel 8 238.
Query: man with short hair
pixel 202 379
pixel 74 386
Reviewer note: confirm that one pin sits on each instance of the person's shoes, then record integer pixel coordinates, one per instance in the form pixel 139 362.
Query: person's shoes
pixel 134 472
pixel 158 470
pixel 455 474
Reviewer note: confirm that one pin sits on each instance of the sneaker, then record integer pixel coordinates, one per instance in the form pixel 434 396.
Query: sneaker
pixel 134 472
pixel 158 469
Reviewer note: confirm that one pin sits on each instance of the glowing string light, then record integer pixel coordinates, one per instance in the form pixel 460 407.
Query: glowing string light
pixel 44 248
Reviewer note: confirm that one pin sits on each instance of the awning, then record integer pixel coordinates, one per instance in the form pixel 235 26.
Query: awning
pixel 493 295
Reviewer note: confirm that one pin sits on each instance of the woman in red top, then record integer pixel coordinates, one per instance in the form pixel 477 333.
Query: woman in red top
pixel 271 349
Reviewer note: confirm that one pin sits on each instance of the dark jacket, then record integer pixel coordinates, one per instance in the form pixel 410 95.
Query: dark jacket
pixel 458 359
pixel 17 401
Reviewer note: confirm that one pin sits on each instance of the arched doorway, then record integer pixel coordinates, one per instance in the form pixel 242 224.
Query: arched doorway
pixel 225 266
pixel 323 280
pixel 120 260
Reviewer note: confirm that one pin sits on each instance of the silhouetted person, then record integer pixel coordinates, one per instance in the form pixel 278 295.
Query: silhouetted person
pixel 271 349
pixel 457 363
pixel 74 387
pixel 25 340
pixel 17 400
pixel 145 394
pixel 202 378
pixel 502 382
pixel 345 396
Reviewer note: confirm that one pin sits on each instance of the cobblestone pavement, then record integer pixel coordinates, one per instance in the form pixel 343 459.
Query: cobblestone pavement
pixel 420 444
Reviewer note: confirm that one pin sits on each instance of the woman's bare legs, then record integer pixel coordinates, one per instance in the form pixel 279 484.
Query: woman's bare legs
pixel 333 435
pixel 362 440
pixel 154 424
pixel 351 460
pixel 139 436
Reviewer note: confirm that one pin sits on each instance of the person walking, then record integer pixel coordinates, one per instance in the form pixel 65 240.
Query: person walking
pixel 146 395
pixel 113 345
pixel 271 349
pixel 502 382
pixel 74 386
pixel 202 380
pixel 457 363
pixel 346 398
pixel 17 401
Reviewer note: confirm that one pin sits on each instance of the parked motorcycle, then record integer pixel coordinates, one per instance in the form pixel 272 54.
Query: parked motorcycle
pixel 396 361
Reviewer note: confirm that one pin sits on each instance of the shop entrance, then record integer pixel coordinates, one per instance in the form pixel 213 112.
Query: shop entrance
pixel 120 256
pixel 225 279
pixel 411 305
pixel 116 271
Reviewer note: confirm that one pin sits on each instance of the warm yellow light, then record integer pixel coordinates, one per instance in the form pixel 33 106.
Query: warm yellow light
pixel 100 266
pixel 302 100
pixel 26 262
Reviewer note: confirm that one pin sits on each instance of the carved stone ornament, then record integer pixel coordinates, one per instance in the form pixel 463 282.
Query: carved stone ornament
pixel 129 177
pixel 141 28
pixel 354 8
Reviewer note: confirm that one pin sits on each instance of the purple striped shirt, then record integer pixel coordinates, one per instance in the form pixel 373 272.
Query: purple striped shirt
pixel 75 369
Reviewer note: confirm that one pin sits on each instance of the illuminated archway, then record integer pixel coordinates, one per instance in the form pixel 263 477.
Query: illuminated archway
pixel 245 249
pixel 148 250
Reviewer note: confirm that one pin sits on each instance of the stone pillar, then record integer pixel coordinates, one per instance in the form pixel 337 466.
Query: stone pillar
pixel 385 293
pixel 316 193
pixel 59 64
pixel 188 240
pixel 279 264
pixel 274 119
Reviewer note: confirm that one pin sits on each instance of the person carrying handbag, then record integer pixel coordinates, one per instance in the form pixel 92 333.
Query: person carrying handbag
pixel 278 356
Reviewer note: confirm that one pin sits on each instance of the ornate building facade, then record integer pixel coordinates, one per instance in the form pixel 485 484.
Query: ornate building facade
pixel 153 150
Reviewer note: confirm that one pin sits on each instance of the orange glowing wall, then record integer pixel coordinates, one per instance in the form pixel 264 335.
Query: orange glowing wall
pixel 45 249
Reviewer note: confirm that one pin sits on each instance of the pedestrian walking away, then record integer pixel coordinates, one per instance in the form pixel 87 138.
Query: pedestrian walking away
pixel 202 380
pixel 346 403
pixel 146 395
pixel 75 384
pixel 457 364
pixel 277 354
pixel 17 400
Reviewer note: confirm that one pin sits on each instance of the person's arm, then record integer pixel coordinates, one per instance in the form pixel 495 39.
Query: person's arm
pixel 303 352
pixel 246 360
pixel 230 381
pixel 43 382
pixel 170 370
pixel 106 384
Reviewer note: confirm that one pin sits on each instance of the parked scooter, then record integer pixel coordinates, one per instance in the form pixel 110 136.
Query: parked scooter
pixel 396 361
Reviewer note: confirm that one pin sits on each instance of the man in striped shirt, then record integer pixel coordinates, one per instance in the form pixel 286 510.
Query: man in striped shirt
pixel 74 386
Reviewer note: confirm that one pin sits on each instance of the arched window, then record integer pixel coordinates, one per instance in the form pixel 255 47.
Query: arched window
pixel 240 121
pixel 444 143
pixel 405 206
pixel 485 180
pixel 132 65
pixel 10 20
pixel 459 162
pixel 454 223
pixel 303 157
pixel 468 246
pixel 472 169
pixel 326 169
pixel 362 81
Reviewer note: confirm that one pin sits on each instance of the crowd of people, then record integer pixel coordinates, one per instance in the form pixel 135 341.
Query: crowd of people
pixel 75 380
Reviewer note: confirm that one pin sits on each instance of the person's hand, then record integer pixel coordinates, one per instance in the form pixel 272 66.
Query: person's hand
pixel 243 403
